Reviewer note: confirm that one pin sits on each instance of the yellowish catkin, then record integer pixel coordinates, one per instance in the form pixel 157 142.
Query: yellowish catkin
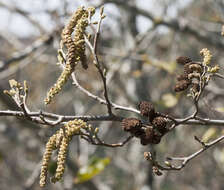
pixel 207 56
pixel 60 140
pixel 60 82
pixel 71 128
pixel 75 48
pixel 61 159
pixel 50 146
pixel 59 136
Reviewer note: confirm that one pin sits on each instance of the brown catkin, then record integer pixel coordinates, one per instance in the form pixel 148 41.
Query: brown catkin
pixel 69 28
pixel 182 77
pixel 183 60
pixel 181 85
pixel 194 75
pixel 160 124
pixel 150 137
pixel 147 137
pixel 187 69
pixel 131 124
pixel 147 109
pixel 195 67
pixel 156 138
pixel 191 67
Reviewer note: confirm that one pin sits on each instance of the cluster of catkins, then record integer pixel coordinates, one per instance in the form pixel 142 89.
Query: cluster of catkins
pixel 148 134
pixel 59 141
pixel 73 39
pixel 191 75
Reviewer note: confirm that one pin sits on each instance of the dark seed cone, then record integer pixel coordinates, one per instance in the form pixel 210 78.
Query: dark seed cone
pixel 150 137
pixel 194 75
pixel 138 132
pixel 187 69
pixel 181 85
pixel 147 137
pixel 191 67
pixel 183 60
pixel 182 77
pixel 196 67
pixel 147 109
pixel 131 125
pixel 160 124
pixel 156 138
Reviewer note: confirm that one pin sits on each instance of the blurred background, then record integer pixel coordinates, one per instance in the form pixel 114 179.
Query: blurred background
pixel 139 42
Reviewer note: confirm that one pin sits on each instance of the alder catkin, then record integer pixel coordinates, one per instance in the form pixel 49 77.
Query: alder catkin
pixel 62 153
pixel 50 146
pixel 75 48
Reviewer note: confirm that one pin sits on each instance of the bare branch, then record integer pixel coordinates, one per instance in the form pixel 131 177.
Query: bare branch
pixel 102 72
pixel 184 160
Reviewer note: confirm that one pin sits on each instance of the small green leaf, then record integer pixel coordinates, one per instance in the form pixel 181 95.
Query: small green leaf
pixel 96 166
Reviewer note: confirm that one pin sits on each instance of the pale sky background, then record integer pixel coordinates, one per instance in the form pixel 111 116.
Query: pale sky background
pixel 15 23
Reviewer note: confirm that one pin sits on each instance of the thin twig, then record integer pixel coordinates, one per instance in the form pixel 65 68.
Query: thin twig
pixel 102 73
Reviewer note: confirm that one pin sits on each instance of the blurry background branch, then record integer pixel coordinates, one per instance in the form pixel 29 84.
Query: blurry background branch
pixel 18 56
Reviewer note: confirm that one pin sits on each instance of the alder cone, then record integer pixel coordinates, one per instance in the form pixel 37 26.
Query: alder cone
pixel 147 109
pixel 138 132
pixel 181 85
pixel 131 124
pixel 150 137
pixel 196 67
pixel 160 124
pixel 156 139
pixel 183 60
pixel 191 67
pixel 182 77
pixel 147 137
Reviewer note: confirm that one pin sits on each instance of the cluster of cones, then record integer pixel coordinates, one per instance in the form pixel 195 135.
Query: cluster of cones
pixel 148 134
pixel 191 75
